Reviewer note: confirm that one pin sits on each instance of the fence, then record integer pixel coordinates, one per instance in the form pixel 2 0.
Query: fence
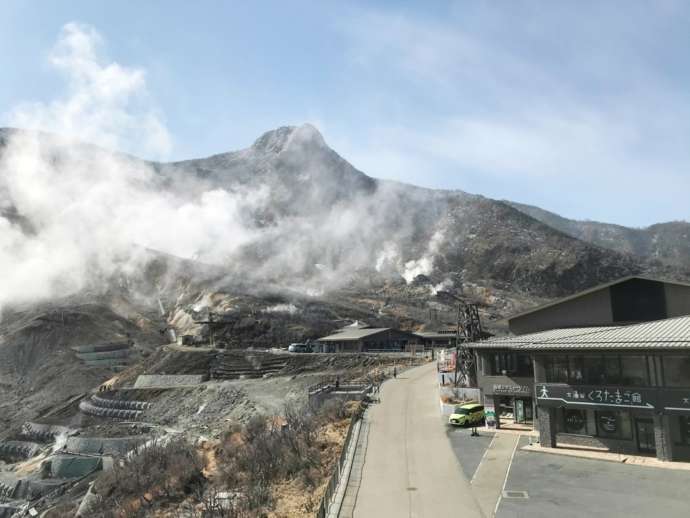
pixel 338 472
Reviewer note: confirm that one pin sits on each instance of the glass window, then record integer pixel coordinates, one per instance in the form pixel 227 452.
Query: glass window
pixel 612 370
pixel 594 372
pixel 615 425
pixel 677 371
pixel 577 370
pixel 633 371
pixel 684 430
pixel 557 369
pixel 575 421
pixel 524 365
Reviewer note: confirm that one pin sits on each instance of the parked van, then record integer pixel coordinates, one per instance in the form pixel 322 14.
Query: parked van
pixel 468 414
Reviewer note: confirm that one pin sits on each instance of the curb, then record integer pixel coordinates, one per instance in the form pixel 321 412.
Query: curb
pixel 629 460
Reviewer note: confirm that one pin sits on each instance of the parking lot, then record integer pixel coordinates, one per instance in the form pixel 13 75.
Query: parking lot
pixel 548 485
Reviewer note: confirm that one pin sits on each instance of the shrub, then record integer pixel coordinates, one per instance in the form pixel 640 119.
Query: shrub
pixel 170 469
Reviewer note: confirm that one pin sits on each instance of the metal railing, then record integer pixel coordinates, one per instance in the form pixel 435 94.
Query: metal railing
pixel 338 471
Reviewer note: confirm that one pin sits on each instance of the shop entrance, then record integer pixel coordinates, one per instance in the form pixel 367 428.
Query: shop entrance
pixel 645 435
pixel 523 410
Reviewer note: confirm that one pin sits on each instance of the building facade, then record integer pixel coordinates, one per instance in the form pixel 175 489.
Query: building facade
pixel 354 340
pixel 629 300
pixel 625 389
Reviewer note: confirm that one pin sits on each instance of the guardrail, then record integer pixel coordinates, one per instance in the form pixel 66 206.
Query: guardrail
pixel 338 471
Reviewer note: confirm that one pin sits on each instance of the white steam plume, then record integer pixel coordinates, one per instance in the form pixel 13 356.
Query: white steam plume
pixel 292 212
pixel 88 206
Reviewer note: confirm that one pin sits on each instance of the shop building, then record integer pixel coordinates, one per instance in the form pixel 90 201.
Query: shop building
pixel 375 339
pixel 610 368
pixel 625 389
pixel 505 374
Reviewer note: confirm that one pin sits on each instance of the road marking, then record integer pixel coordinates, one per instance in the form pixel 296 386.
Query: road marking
pixel 498 502
pixel 476 470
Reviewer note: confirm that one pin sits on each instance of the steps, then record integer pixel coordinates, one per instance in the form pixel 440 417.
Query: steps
pixel 15 451
pixel 110 406
pixel 243 364
pixel 42 433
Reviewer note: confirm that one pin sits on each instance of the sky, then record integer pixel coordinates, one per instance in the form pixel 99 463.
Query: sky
pixel 578 107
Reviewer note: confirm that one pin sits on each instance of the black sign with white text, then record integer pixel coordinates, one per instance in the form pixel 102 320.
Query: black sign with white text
pixel 672 401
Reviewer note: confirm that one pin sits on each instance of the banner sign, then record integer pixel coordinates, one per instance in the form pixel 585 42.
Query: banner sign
pixel 512 389
pixel 586 395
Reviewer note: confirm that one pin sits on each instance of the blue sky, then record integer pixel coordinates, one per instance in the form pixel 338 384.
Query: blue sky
pixel 582 108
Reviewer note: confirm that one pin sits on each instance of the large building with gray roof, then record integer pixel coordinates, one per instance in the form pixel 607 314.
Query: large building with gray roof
pixel 609 384
pixel 370 339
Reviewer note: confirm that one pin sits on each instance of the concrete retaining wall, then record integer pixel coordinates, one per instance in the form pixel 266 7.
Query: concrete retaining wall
pixel 119 446
pixel 69 466
pixel 89 408
pixel 17 450
pixel 43 432
pixel 168 381
pixel 105 355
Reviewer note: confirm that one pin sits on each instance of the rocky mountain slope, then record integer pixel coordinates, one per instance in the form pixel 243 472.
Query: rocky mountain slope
pixel 665 243
pixel 279 242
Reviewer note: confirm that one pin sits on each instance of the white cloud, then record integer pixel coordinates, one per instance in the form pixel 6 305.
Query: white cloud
pixel 107 103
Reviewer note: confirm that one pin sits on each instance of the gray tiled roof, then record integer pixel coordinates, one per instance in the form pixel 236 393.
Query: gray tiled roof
pixel 521 341
pixel 671 333
pixel 352 334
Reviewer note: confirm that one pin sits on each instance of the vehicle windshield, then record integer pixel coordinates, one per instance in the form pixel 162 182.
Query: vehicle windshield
pixel 461 411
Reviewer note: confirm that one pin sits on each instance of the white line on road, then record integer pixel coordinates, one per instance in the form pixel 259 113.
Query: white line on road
pixel 476 470
pixel 498 502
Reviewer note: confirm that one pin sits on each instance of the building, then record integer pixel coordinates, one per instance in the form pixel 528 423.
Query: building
pixel 598 369
pixel 440 338
pixel 505 374
pixel 626 389
pixel 375 339
pixel 628 300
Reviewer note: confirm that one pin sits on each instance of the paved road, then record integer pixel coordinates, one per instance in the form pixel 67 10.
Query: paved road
pixel 569 487
pixel 410 469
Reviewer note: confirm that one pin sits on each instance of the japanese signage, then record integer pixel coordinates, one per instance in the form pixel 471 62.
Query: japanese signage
pixel 512 389
pixel 556 395
pixel 672 401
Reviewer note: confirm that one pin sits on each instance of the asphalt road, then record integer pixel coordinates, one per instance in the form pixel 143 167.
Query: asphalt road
pixel 410 469
pixel 569 487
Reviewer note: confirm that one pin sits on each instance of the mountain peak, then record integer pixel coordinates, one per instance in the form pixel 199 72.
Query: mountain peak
pixel 285 137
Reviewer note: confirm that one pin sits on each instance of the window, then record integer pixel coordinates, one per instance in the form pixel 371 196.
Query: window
pixel 614 425
pixel 511 364
pixel 557 369
pixel 524 366
pixel 576 370
pixel 612 370
pixel 634 371
pixel 575 422
pixel 600 370
pixel 677 371
pixel 684 430
pixel 594 370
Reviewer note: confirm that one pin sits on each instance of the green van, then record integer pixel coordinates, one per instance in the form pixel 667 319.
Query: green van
pixel 471 413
